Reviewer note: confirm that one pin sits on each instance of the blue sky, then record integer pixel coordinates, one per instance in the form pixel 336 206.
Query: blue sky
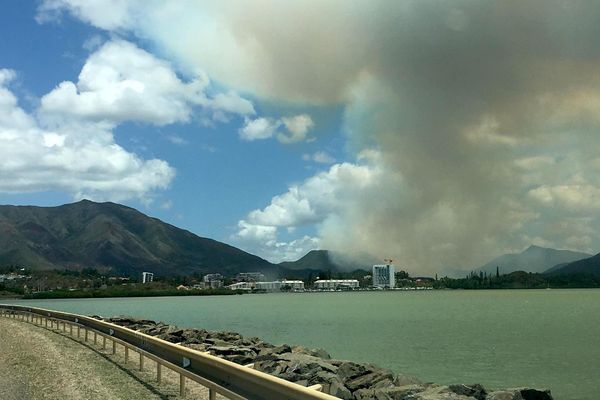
pixel 219 177
pixel 437 134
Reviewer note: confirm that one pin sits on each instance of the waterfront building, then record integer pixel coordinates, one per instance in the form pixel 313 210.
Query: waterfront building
pixel 213 281
pixel 335 284
pixel 383 276
pixel 296 286
pixel 242 286
pixel 250 277
pixel 147 277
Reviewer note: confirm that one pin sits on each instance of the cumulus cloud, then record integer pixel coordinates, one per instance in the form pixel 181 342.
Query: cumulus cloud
pixel 79 158
pixel 265 128
pixel 459 97
pixel 121 82
pixel 320 197
pixel 259 128
pixel 297 126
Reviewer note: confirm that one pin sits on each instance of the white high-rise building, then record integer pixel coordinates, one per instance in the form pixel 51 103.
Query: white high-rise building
pixel 383 276
pixel 147 277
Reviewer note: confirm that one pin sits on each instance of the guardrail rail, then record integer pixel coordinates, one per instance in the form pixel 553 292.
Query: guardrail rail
pixel 224 377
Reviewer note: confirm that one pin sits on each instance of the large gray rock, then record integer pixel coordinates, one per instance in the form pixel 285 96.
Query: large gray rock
pixel 520 394
pixel 239 355
pixel 377 378
pixel 392 393
pixel 320 353
pixel 476 391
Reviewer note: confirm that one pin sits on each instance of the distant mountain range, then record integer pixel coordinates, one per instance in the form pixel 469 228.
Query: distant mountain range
pixel 590 266
pixel 533 259
pixel 125 241
pixel 115 237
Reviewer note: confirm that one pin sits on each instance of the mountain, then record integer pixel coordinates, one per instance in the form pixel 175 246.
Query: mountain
pixel 327 260
pixel 112 236
pixel 590 265
pixel 532 259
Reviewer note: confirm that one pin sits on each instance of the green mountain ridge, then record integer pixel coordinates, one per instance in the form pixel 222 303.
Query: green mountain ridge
pixel 115 237
pixel 586 266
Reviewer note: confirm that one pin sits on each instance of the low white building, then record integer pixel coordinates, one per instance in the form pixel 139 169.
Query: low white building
pixel 383 276
pixel 334 284
pixel 278 285
pixel 242 286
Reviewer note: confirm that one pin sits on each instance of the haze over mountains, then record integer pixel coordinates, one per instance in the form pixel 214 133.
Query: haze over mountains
pixel 121 239
pixel 533 259
pixel 327 260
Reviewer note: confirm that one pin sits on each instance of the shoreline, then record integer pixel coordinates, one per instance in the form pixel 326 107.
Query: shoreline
pixel 341 378
pixel 200 293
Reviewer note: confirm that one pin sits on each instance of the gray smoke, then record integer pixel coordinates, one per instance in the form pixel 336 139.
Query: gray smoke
pixel 485 113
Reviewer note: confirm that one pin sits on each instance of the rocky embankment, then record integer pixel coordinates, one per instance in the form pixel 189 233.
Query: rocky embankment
pixel 343 379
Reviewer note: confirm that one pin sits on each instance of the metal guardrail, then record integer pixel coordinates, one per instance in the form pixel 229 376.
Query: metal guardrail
pixel 221 376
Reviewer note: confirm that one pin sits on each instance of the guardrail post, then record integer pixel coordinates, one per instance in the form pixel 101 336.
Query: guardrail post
pixel 103 342
pixel 126 354
pixel 181 385
pixel 86 334
pixel 114 349
pixel 70 329
pixel 95 337
pixel 158 372
pixel 78 331
pixel 212 395
pixel 46 322
pixel 141 361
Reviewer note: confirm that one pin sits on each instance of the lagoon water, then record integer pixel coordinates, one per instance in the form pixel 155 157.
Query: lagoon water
pixel 503 338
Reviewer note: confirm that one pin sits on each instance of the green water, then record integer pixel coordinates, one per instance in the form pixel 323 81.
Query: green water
pixel 543 338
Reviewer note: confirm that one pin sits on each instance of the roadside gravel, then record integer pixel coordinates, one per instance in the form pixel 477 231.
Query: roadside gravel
pixel 36 363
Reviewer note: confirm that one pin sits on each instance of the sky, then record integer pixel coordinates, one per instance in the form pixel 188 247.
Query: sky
pixel 439 134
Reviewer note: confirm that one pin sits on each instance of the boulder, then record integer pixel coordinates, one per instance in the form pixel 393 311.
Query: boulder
pixel 320 353
pixel 520 394
pixel 476 391
pixel 379 378
pixel 239 355
pixel 284 348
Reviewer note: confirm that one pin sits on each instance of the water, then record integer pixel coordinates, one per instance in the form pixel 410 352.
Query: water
pixel 504 338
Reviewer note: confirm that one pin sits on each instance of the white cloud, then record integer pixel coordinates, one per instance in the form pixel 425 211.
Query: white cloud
pixel 265 128
pixel 121 82
pixel 79 158
pixel 311 202
pixel 316 197
pixel 263 240
pixel 297 126
pixel 106 14
pixel 321 157
pixel 259 128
